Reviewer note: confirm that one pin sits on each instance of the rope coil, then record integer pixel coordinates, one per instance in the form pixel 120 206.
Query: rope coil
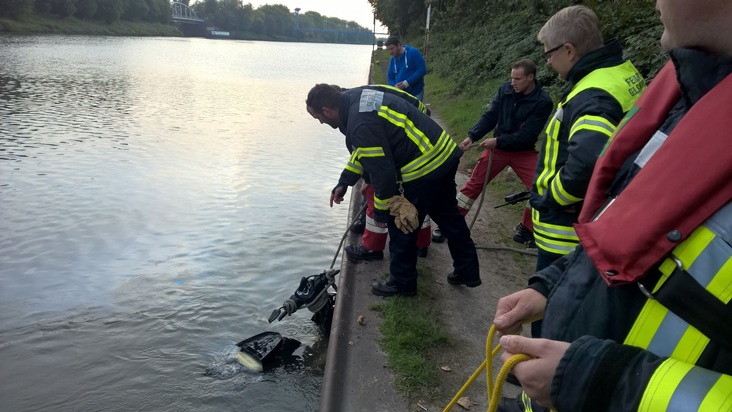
pixel 494 389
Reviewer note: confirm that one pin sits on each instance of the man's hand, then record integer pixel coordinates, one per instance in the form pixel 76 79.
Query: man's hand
pixel 337 195
pixel 466 144
pixel 489 143
pixel 536 374
pixel 513 310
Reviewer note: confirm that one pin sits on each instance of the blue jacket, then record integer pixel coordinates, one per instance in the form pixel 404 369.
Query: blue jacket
pixel 409 66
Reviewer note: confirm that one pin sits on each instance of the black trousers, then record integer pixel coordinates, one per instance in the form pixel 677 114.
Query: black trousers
pixel 436 198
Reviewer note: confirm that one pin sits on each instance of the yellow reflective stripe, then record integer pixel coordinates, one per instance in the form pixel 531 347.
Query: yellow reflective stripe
pixel 354 165
pixel 719 397
pixel 526 401
pixel 679 387
pixel 360 152
pixel 554 246
pixel 649 319
pixel 401 120
pixel 428 162
pixel 548 229
pixel 660 389
pixel 560 195
pixel 663 332
pixel 380 204
pixel 593 123
pixel 691 345
pixel 551 152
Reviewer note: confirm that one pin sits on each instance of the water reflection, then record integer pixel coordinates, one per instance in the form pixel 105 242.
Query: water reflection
pixel 159 198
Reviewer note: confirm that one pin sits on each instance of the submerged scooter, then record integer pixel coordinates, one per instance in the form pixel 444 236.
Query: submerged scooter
pixel 266 350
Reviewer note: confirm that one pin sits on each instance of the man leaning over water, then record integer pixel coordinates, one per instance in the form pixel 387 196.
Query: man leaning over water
pixel 406 153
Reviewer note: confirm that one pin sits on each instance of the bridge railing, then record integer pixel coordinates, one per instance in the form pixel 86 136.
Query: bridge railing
pixel 183 12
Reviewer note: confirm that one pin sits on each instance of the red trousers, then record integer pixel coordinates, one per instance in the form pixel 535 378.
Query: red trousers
pixel 523 163
pixel 374 237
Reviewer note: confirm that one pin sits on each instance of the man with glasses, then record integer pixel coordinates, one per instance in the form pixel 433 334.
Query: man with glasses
pixel 601 89
pixel 406 67
pixel 637 318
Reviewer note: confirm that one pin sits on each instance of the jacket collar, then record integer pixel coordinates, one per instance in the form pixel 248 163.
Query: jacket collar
pixel 698 72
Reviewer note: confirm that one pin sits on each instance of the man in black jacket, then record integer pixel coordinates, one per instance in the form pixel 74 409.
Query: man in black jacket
pixel 409 159
pixel 517 117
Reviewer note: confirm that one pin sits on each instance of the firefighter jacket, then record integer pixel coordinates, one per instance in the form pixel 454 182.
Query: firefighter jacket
pixel 396 92
pixel 391 140
pixel 661 341
pixel 517 120
pixel 601 89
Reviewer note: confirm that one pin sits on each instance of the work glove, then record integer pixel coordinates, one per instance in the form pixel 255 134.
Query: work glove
pixel 405 214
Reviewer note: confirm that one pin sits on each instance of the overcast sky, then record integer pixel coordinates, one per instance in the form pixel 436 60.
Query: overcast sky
pixel 349 10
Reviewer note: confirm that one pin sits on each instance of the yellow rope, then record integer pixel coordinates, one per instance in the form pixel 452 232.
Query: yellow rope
pixel 494 390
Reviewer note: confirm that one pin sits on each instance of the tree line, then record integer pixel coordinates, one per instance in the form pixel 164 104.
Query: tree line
pixel 243 21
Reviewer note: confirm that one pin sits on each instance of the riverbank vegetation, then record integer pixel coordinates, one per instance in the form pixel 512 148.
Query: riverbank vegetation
pixel 153 18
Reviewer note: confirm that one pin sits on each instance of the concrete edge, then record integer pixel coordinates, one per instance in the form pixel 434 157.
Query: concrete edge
pixel 331 396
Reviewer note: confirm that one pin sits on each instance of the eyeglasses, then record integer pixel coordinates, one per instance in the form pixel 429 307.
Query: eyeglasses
pixel 548 53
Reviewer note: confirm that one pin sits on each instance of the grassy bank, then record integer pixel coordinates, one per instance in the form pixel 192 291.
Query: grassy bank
pixel 47 25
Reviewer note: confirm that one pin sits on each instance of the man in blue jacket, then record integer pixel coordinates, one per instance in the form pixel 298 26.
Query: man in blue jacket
pixel 406 67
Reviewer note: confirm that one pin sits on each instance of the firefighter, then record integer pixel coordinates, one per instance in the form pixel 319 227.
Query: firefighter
pixel 637 317
pixel 411 161
pixel 601 87
pixel 373 241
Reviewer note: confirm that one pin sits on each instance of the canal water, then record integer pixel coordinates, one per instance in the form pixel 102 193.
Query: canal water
pixel 159 197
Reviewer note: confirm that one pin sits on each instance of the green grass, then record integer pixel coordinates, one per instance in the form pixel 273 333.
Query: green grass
pixel 412 337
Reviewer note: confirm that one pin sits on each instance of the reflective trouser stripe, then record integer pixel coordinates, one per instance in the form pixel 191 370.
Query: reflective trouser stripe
pixel 371 226
pixel 681 387
pixel 464 202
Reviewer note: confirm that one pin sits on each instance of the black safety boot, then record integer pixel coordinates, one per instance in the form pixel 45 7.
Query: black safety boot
pixel 422 251
pixel 361 253
pixel 524 236
pixel 437 236
pixel 358 227
pixel 455 279
pixel 390 288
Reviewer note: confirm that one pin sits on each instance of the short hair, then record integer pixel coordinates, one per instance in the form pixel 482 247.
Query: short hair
pixel 577 25
pixel 392 40
pixel 323 95
pixel 527 65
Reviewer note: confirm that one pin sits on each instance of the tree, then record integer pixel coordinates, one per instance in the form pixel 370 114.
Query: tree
pixel 109 11
pixel 85 9
pixel 16 8
pixel 63 8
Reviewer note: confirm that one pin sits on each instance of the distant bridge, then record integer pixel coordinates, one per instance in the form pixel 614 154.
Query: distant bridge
pixel 184 14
